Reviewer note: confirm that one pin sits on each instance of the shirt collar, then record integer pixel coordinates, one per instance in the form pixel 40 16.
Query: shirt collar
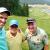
pixel 0 29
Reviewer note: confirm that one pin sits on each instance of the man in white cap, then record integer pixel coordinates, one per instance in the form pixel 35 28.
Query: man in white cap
pixel 4 13
pixel 36 37
pixel 14 36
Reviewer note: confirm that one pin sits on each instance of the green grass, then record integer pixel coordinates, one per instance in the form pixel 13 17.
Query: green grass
pixel 43 21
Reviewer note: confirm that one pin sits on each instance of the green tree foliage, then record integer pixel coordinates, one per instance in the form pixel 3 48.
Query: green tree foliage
pixel 25 10
pixel 14 7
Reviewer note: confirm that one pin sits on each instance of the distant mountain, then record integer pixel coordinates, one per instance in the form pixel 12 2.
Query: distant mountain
pixel 35 1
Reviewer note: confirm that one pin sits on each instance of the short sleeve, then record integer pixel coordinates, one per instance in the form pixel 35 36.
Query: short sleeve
pixel 45 39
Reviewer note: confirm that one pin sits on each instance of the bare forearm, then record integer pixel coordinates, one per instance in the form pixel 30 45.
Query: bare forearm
pixel 46 47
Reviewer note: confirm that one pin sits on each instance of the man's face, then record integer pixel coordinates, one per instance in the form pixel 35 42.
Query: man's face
pixel 3 18
pixel 32 27
pixel 13 29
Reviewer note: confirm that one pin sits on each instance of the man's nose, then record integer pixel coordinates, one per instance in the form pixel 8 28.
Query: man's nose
pixel 31 26
pixel 3 20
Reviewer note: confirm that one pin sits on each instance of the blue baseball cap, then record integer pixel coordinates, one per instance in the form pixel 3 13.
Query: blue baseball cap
pixel 13 22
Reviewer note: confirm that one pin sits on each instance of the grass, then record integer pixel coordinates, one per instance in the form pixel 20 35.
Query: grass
pixel 42 18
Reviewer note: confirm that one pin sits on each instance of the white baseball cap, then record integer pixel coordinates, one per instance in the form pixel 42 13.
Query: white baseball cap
pixel 3 9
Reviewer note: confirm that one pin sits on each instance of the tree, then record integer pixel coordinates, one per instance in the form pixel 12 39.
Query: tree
pixel 14 7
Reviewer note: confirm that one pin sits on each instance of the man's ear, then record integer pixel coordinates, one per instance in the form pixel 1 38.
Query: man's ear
pixel 19 30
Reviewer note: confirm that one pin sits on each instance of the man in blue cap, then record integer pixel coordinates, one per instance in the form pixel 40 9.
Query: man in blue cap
pixel 4 13
pixel 14 36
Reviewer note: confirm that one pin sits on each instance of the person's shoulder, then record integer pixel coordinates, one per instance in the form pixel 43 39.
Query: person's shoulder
pixel 27 30
pixel 3 30
pixel 41 31
pixel 7 32
pixel 20 31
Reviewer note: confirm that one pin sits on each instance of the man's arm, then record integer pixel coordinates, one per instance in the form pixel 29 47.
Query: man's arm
pixel 46 47
pixel 45 42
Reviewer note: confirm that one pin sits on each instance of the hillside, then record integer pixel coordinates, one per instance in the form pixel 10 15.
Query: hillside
pixel 36 1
